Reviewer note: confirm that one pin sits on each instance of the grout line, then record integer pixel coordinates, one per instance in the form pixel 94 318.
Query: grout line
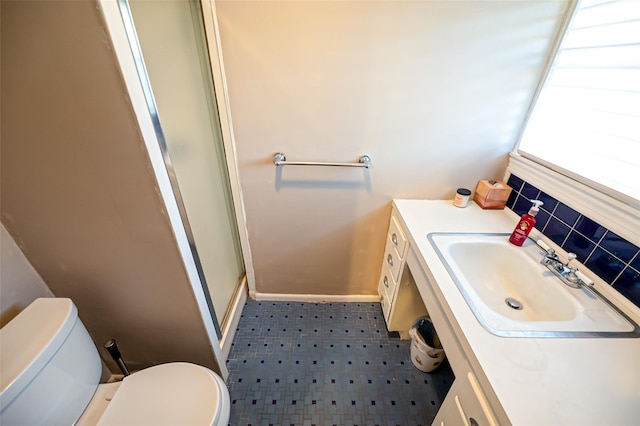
pixel 572 228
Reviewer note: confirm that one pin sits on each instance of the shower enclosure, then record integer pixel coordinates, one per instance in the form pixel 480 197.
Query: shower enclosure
pixel 177 76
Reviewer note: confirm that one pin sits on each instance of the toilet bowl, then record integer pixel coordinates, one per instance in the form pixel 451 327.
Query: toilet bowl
pixel 51 372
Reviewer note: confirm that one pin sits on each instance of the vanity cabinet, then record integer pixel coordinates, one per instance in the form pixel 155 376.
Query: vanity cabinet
pixel 465 404
pixel 399 297
pixel 407 293
pixel 501 380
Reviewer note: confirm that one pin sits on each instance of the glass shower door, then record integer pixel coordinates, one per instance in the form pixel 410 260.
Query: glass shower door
pixel 172 39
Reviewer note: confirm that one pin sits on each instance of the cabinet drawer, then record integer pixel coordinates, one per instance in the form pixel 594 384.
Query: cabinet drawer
pixel 385 303
pixel 465 405
pixel 471 403
pixel 387 281
pixel 397 237
pixel 392 260
pixel 386 288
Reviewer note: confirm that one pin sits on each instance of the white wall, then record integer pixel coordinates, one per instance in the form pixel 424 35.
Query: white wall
pixel 20 284
pixel 433 91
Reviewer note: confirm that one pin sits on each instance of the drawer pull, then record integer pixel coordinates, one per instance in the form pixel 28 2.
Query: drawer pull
pixel 394 238
pixel 390 260
pixel 385 281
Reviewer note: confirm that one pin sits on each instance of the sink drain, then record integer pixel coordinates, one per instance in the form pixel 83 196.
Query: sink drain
pixel 513 303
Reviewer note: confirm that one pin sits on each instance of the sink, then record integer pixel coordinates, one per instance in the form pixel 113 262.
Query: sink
pixel 512 295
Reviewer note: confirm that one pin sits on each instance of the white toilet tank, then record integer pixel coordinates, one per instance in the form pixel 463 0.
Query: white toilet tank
pixel 50 366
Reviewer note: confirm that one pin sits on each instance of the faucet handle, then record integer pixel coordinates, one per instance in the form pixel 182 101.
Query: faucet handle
pixel 572 276
pixel 585 280
pixel 551 253
pixel 543 246
pixel 570 257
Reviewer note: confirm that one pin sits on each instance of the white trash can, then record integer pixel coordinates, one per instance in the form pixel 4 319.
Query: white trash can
pixel 426 351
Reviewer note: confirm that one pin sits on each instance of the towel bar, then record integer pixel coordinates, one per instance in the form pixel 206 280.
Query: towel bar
pixel 279 159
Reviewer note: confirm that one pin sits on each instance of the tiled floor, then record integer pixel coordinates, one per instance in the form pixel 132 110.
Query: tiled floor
pixel 308 364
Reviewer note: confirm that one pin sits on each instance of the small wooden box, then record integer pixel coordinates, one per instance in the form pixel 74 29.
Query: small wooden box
pixel 492 194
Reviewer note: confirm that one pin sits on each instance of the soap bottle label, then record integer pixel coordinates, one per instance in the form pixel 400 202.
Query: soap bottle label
pixel 519 234
pixel 527 221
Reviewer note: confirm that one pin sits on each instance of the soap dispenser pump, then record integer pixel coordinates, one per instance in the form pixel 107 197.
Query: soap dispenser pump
pixel 526 223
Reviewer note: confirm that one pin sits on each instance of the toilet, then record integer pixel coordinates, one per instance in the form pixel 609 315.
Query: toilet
pixel 51 372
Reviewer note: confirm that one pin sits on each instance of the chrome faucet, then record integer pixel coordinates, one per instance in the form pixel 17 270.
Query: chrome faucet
pixel 567 274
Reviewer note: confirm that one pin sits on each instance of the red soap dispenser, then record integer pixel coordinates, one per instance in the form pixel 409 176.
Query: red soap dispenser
pixel 527 222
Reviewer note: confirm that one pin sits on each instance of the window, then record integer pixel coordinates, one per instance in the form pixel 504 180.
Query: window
pixel 585 122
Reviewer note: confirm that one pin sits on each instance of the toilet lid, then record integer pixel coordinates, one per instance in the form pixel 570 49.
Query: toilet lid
pixel 168 394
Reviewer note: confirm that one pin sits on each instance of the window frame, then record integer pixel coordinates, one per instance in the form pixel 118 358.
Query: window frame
pixel 598 194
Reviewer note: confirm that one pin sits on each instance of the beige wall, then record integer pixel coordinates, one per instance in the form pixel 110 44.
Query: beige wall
pixel 433 91
pixel 20 284
pixel 78 191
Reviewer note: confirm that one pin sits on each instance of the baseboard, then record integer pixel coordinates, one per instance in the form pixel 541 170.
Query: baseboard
pixel 231 325
pixel 316 298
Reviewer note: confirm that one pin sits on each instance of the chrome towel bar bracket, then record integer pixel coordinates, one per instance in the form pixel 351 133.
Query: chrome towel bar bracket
pixel 279 159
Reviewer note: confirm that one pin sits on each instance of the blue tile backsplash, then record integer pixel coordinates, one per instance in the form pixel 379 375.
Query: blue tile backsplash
pixel 610 256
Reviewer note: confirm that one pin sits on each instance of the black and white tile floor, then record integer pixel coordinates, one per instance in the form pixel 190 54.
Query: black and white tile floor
pixel 306 364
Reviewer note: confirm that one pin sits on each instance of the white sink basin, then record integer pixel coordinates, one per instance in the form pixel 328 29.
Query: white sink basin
pixel 513 295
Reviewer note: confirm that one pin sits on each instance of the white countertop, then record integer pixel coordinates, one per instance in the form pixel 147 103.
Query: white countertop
pixel 538 381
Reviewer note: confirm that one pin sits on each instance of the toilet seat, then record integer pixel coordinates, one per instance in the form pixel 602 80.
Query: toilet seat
pixel 169 394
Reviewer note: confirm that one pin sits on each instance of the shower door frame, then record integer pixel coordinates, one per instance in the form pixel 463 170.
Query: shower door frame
pixel 128 53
